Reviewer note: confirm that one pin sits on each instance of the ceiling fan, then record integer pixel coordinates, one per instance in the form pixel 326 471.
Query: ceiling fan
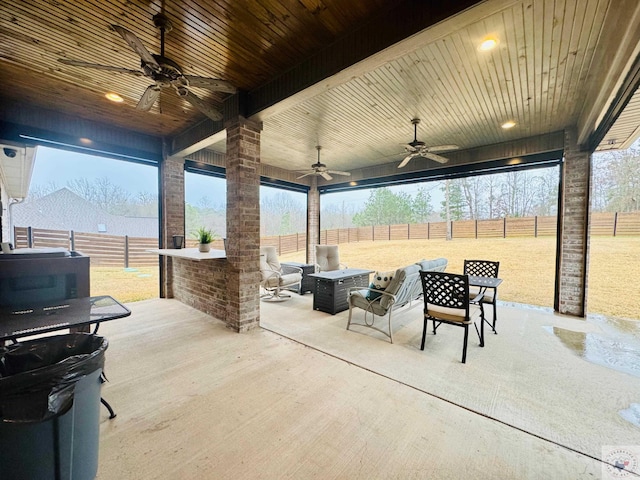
pixel 163 71
pixel 417 148
pixel 321 169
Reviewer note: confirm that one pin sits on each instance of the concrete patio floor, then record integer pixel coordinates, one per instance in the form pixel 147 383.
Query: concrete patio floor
pixel 302 397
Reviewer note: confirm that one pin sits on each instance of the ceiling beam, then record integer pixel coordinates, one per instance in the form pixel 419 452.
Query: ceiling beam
pixel 612 67
pixel 39 126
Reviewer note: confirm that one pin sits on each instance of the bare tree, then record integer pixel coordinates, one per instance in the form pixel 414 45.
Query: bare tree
pixel 623 179
pixel 281 214
pixel 517 194
pixel 108 196
pixel 546 185
pixel 36 192
pixel 472 194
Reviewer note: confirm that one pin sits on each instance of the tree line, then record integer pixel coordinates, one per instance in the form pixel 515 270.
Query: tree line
pixel 616 187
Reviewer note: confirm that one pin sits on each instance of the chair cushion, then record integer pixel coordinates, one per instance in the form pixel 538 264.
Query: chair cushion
pixel 400 277
pixel 435 265
pixel 290 278
pixel 380 281
pixel 453 314
pixel 327 257
pixel 359 299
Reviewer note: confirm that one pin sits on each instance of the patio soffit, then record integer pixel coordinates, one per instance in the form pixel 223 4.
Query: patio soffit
pixel 339 73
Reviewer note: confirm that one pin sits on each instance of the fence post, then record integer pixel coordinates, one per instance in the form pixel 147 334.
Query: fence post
pixel 535 226
pixel 29 237
pixel 428 231
pixel 388 232
pixel 615 223
pixel 476 228
pixel 504 227
pixel 126 251
pixel 72 236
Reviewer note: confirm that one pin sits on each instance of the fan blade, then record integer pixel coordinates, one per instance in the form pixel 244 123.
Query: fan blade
pixel 210 83
pixel 80 63
pixel 338 172
pixel 137 46
pixel 211 112
pixel 306 175
pixel 443 148
pixel 148 98
pixel 326 176
pixel 409 148
pixel 406 159
pixel 434 156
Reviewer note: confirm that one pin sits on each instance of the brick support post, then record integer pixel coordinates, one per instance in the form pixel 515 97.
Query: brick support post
pixel 313 220
pixel 243 224
pixel 574 230
pixel 172 221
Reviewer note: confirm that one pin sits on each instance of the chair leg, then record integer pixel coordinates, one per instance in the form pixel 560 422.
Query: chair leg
pixel 495 316
pixel 464 345
pixel 492 325
pixel 424 332
pixel 482 320
pixel 390 332
pixel 350 312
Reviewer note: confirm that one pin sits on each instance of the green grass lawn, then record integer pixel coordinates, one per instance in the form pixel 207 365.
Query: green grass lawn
pixel 527 267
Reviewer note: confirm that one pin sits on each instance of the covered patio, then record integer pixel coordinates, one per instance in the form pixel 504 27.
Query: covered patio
pixel 302 397
pixel 351 77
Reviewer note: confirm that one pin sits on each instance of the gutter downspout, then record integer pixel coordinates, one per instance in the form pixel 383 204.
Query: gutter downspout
pixel 12 202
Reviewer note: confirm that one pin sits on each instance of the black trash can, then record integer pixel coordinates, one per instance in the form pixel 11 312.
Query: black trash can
pixel 50 407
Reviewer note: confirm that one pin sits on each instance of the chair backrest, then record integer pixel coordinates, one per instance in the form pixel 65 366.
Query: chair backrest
pixel 481 268
pixel 401 286
pixel 269 261
pixel 445 292
pixel 327 257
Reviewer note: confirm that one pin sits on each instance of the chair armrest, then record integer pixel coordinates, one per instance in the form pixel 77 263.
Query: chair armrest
pixel 290 269
pixel 358 290
pixel 272 273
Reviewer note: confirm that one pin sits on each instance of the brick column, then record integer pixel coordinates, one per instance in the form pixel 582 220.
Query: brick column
pixel 172 221
pixel 313 220
pixel 243 224
pixel 574 230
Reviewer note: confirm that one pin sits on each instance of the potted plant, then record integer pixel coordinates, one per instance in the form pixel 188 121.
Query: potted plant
pixel 205 236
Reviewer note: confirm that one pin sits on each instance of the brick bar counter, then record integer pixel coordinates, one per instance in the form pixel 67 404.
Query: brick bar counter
pixel 199 279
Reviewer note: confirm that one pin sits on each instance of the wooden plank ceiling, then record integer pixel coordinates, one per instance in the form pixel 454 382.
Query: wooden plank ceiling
pixel 552 55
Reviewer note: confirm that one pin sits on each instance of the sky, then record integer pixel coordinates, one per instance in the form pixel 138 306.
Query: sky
pixel 58 167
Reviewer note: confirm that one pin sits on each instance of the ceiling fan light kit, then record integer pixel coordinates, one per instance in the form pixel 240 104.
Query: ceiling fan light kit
pixel 163 71
pixel 417 148
pixel 321 169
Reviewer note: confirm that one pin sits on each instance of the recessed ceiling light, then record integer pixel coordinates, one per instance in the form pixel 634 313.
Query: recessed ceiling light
pixel 86 141
pixel 353 184
pixel 487 44
pixel 114 97
pixel 509 124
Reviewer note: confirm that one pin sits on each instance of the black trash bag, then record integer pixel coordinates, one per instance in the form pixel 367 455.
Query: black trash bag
pixel 38 377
